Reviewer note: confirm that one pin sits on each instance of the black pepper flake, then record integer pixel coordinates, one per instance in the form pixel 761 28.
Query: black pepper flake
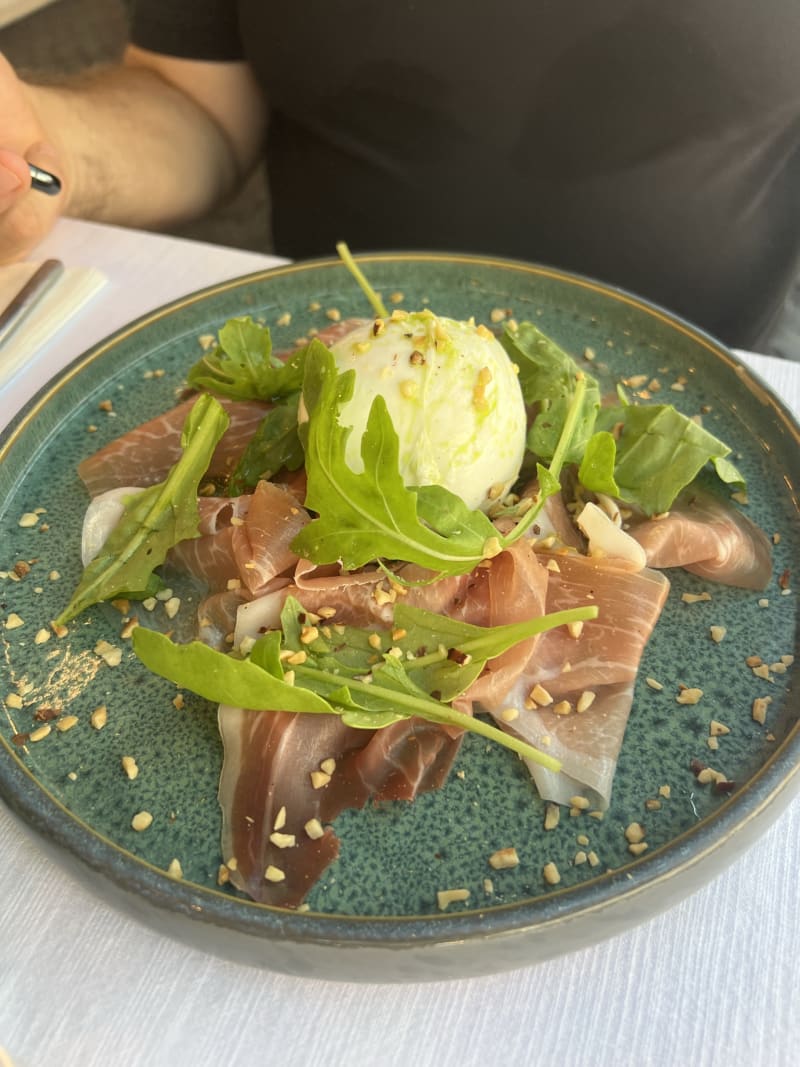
pixel 696 766
pixel 455 655
pixel 725 787
pixel 46 714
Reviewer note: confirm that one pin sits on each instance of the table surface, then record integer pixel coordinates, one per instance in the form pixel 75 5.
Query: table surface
pixel 714 980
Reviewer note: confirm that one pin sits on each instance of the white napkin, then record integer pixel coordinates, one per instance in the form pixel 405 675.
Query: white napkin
pixel 74 289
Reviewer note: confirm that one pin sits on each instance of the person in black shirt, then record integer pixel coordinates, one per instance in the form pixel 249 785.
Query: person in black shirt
pixel 652 146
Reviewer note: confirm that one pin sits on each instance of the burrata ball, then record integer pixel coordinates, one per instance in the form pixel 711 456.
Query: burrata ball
pixel 453 396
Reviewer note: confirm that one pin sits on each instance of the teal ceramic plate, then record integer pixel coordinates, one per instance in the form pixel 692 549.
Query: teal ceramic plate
pixel 374 914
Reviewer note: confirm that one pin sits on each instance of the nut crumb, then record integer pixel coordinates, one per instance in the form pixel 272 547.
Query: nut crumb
pixel 551 874
pixel 99 717
pixel 695 598
pixel 504 858
pixel 689 695
pixel 130 767
pixel 759 711
pixel 446 897
pixel 634 833
pixel 552 814
pixel 540 696
pixel 109 653
pixel 585 701
pixel 280 840
pixel 314 829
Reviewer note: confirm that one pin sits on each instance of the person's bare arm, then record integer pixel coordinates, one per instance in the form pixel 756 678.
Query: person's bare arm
pixel 149 143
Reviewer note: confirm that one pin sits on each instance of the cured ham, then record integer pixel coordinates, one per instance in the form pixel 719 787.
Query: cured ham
pixel 145 455
pixel 286 776
pixel 594 664
pixel 243 539
pixel 710 538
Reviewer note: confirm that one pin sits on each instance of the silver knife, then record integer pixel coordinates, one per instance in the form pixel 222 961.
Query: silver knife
pixel 27 299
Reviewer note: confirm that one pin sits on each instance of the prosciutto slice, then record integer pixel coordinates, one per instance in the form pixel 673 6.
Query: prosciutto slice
pixel 600 658
pixel 277 839
pixel 243 539
pixel 145 455
pixel 708 537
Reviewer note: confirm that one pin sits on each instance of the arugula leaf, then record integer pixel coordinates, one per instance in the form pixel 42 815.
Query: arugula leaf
pixel 728 472
pixel 345 674
pixel 242 366
pixel 153 520
pixel 275 446
pixel 461 650
pixel 220 677
pixel 372 515
pixel 658 453
pixel 596 471
pixel 548 376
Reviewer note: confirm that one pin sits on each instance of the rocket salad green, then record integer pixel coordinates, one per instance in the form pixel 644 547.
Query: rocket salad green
pixel 416 672
pixel 644 454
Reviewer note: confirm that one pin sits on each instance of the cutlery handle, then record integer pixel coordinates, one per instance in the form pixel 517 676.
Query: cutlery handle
pixel 21 305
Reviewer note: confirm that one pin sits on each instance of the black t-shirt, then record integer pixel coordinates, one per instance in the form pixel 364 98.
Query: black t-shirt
pixel 651 145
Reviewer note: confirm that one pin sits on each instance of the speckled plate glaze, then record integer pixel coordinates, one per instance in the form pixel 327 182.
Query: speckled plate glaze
pixel 374 914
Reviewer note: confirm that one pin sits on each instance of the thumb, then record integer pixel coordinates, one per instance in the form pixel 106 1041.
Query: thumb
pixel 25 215
pixel 15 177
pixel 15 174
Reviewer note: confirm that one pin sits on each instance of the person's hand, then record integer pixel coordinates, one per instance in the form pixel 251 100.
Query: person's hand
pixel 25 214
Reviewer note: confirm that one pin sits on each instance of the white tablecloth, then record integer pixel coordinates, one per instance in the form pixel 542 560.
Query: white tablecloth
pixel 714 982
